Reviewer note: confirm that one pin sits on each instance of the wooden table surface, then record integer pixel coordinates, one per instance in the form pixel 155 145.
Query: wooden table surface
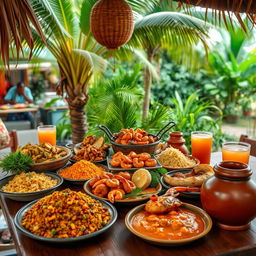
pixel 18 110
pixel 119 241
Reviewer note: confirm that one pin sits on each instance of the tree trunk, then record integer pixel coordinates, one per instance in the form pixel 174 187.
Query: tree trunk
pixel 147 85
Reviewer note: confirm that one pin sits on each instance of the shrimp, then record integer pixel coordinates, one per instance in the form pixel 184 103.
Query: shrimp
pixel 145 138
pixel 200 173
pixel 103 181
pixel 125 175
pixel 116 194
pixel 117 155
pixel 150 163
pixel 126 159
pixel 138 136
pixel 127 184
pixel 112 183
pixel 125 165
pixel 100 190
pixel 94 180
pixel 137 163
pixel 151 139
pixel 144 156
pixel 132 154
pixel 115 162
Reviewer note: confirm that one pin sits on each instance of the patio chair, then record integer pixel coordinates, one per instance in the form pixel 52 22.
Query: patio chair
pixel 245 138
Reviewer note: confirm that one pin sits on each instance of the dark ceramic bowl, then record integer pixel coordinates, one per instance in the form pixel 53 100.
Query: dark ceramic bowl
pixel 185 194
pixel 18 218
pixel 205 217
pixel 52 165
pixel 32 195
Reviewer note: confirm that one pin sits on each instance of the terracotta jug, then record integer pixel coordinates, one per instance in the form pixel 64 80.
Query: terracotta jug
pixel 177 141
pixel 229 196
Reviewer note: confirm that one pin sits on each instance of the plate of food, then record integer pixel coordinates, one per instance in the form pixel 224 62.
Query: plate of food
pixel 91 149
pixel 165 220
pixel 123 187
pixel 28 186
pixel 82 217
pixel 189 181
pixel 132 161
pixel 5 107
pixel 137 140
pixel 46 157
pixel 173 159
pixel 81 171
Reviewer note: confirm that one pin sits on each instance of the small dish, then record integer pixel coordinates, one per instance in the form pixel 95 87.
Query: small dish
pixel 185 194
pixel 52 165
pixel 127 201
pixel 32 195
pixel 182 168
pixel 18 218
pixel 77 182
pixel 205 217
pixel 119 169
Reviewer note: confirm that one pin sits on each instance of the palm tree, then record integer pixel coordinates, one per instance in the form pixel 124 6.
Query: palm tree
pixel 80 57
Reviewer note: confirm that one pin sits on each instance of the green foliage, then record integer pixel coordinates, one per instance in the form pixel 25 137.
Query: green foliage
pixel 194 114
pixel 37 87
pixel 63 128
pixel 16 163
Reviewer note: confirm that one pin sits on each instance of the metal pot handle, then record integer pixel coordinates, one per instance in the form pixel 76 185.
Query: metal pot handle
pixel 165 129
pixel 107 132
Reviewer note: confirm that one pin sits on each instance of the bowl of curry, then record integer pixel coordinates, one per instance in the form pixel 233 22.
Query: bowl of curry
pixel 182 225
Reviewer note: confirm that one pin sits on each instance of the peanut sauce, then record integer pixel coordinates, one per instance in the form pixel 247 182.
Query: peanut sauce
pixel 177 224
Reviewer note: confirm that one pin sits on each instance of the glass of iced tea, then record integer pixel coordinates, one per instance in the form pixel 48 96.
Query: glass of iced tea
pixel 201 144
pixel 236 151
pixel 47 133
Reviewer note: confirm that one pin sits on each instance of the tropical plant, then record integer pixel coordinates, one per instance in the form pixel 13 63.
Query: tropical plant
pixel 194 114
pixel 63 129
pixel 67 28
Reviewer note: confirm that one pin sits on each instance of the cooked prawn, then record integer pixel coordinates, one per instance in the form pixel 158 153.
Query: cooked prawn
pixel 112 183
pixel 150 163
pixel 115 162
pixel 100 190
pixel 103 181
pixel 132 154
pixel 94 180
pixel 118 154
pixel 126 159
pixel 116 194
pixel 137 162
pixel 125 165
pixel 125 175
pixel 144 156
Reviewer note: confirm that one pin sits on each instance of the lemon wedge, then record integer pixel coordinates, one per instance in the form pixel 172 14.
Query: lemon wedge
pixel 142 178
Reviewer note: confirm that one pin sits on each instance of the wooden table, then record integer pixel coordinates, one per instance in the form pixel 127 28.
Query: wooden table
pixel 21 110
pixel 119 241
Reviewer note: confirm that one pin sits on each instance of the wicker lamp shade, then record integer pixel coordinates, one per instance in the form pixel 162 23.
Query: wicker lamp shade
pixel 112 23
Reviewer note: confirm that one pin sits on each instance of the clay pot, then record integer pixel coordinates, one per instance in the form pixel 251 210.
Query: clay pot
pixel 229 196
pixel 177 141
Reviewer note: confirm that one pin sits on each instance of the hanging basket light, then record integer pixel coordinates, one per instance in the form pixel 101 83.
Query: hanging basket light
pixel 112 23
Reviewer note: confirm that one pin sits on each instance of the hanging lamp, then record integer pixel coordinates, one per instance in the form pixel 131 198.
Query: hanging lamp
pixel 112 23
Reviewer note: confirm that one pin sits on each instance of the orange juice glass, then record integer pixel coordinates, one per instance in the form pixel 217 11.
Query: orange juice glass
pixel 201 144
pixel 47 133
pixel 236 151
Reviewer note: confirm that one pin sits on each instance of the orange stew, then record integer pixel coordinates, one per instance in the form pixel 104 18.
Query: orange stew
pixel 175 225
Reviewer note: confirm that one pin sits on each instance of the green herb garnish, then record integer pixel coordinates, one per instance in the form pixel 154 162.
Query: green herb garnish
pixel 155 175
pixel 16 163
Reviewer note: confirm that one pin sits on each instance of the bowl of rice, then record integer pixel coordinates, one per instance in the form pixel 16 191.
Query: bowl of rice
pixel 28 186
pixel 173 159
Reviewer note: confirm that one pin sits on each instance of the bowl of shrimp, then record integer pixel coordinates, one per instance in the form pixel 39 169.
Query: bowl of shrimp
pixel 136 140
pixel 118 188
pixel 132 161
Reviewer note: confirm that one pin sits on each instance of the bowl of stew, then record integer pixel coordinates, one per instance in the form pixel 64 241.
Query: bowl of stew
pixel 167 232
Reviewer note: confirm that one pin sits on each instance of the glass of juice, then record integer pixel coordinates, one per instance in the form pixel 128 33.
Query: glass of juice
pixel 47 133
pixel 236 151
pixel 201 144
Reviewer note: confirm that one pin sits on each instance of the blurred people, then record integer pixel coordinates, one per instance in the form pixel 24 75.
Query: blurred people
pixel 19 94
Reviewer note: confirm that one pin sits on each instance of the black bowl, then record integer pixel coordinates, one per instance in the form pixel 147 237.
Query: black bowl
pixel 19 215
pixel 32 195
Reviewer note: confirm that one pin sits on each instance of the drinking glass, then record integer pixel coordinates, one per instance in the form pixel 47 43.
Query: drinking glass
pixel 201 144
pixel 236 151
pixel 47 133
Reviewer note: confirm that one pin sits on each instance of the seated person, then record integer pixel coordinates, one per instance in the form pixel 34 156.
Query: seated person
pixel 16 95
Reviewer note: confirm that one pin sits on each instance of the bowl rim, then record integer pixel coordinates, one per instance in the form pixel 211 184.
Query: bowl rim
pixel 191 207
pixel 181 168
pixel 25 208
pixel 52 175
pixel 72 180
pixel 57 160
pixel 86 185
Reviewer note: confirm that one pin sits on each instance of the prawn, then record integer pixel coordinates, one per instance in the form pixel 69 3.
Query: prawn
pixel 94 180
pixel 117 155
pixel 100 190
pixel 137 162
pixel 103 181
pixel 116 194
pixel 125 165
pixel 144 156
pixel 125 175
pixel 132 154
pixel 115 162
pixel 126 159
pixel 150 163
pixel 112 183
